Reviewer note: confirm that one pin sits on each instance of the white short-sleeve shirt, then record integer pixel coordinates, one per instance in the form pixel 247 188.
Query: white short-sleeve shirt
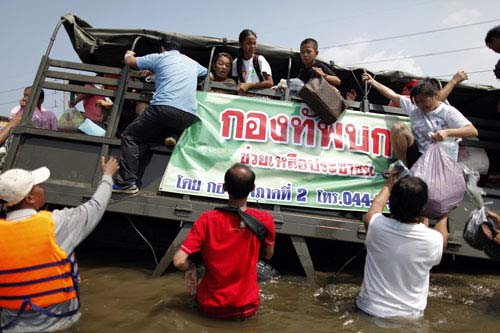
pixel 397 268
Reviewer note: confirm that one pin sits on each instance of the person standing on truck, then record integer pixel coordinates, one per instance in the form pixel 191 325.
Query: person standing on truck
pixel 252 70
pixel 492 41
pixel 430 120
pixel 401 251
pixel 39 275
pixel 308 53
pixel 92 104
pixel 230 251
pixel 172 109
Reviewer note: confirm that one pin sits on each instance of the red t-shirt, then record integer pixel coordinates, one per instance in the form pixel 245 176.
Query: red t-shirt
pixel 92 111
pixel 230 253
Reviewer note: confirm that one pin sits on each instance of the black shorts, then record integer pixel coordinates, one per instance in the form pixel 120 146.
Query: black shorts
pixel 412 154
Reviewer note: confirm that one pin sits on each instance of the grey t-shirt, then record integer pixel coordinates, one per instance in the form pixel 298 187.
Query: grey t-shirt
pixel 445 116
pixel 72 226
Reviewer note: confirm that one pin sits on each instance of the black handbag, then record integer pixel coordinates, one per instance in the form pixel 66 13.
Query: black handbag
pixel 323 98
pixel 253 224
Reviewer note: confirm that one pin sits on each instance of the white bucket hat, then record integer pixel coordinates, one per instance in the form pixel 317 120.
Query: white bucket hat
pixel 16 184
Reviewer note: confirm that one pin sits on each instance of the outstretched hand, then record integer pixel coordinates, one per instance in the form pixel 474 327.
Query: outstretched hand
pixel 110 167
pixel 459 77
pixel 393 178
pixel 367 77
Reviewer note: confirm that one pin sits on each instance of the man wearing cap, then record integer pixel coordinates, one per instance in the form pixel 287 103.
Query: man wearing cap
pixel 38 271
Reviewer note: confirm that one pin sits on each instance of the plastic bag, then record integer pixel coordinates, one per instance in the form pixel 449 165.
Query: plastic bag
pixel 471 228
pixel 70 120
pixel 450 146
pixel 481 233
pixel 444 179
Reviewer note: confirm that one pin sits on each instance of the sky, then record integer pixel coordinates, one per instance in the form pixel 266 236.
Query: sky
pixel 430 27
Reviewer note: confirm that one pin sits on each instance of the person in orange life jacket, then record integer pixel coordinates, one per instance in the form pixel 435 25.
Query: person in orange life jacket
pixel 38 271
pixel 308 54
pixel 252 70
pixel 230 251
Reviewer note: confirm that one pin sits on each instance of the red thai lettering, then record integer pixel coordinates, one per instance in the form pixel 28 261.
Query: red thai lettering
pixel 358 140
pixel 303 128
pixel 380 135
pixel 329 133
pixel 232 124
pixel 279 128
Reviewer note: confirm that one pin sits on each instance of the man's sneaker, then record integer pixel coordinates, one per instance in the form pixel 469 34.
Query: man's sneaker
pixel 170 141
pixel 125 188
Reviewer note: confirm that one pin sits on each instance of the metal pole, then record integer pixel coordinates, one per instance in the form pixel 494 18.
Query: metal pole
pixel 54 35
pixel 366 102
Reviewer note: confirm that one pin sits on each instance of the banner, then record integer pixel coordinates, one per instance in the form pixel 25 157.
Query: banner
pixel 298 160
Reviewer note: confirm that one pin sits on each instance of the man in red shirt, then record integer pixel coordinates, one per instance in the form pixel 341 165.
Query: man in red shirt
pixel 230 251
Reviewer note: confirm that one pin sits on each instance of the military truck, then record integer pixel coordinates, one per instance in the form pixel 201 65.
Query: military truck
pixel 336 214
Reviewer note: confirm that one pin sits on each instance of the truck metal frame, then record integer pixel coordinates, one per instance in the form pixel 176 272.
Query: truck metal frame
pixel 73 158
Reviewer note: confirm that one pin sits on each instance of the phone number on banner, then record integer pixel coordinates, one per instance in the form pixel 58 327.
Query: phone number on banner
pixel 344 199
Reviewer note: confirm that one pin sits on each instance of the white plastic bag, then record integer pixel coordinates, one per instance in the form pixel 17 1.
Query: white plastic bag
pixel 450 146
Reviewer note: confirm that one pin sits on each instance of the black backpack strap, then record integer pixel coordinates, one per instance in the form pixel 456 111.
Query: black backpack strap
pixel 256 66
pixel 253 223
pixel 239 69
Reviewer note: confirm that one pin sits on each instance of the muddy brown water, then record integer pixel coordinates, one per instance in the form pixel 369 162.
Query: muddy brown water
pixel 118 295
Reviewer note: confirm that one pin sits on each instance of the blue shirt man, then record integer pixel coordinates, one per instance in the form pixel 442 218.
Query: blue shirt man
pixel 175 78
pixel 172 109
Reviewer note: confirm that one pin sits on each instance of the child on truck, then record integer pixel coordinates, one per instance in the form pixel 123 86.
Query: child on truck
pixel 308 54
pixel 252 70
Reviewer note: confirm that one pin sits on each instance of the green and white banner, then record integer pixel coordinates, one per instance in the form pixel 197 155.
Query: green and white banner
pixel 298 160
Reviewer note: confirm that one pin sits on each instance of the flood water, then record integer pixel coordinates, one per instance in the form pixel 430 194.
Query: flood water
pixel 118 295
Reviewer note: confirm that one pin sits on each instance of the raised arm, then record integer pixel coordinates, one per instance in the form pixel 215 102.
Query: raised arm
pixel 442 227
pixel 130 59
pixel 458 78
pixel 383 90
pixel 380 200
pixel 73 225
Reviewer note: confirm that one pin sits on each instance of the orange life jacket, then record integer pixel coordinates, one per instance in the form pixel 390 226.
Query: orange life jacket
pixel 34 271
